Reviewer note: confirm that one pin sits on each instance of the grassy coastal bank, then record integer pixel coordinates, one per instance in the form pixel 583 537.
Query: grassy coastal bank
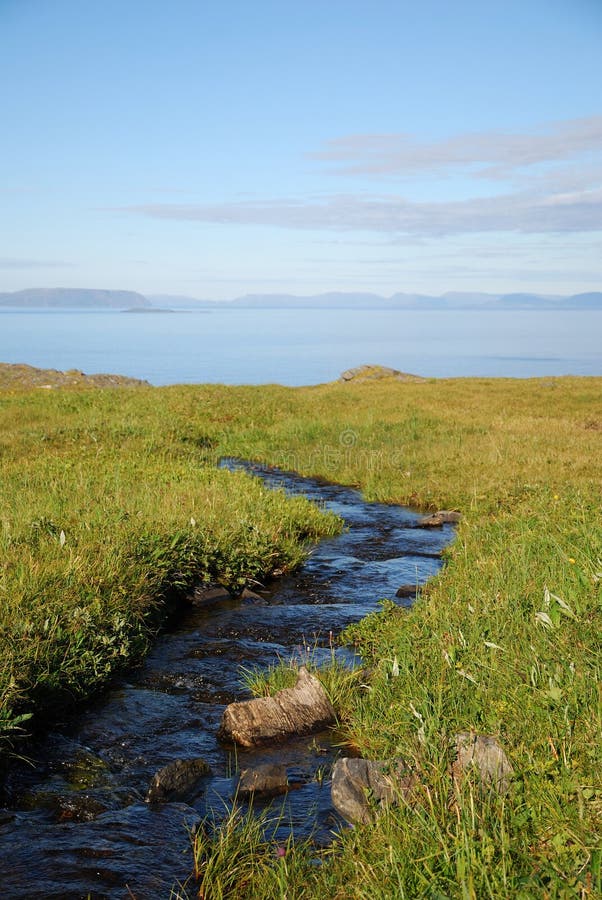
pixel 111 501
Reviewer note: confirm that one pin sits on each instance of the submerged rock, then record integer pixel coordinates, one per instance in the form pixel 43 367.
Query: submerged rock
pixel 79 806
pixel 176 779
pixel 485 754
pixel 362 787
pixel 298 710
pixel 267 780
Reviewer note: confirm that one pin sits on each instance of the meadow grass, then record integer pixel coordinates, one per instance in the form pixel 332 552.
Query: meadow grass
pixel 505 641
pixel 106 521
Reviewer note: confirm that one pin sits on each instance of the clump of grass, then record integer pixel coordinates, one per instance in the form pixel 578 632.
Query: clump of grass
pixel 243 858
pixel 340 682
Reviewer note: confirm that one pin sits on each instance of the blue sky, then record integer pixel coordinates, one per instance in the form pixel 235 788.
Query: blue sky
pixel 217 149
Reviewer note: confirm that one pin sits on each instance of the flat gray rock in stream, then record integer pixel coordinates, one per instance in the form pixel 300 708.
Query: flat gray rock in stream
pixel 176 779
pixel 301 709
pixel 267 780
pixel 362 787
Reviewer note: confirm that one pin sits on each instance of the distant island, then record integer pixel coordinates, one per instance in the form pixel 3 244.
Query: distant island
pixel 89 298
pixel 74 298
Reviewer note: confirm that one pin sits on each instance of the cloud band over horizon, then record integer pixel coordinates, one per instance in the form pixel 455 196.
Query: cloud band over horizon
pixel 561 191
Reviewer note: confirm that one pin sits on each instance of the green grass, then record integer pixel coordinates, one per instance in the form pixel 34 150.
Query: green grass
pixel 505 641
pixel 104 524
pixel 340 683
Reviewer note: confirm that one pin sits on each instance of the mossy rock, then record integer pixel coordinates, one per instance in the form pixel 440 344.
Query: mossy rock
pixel 23 377
pixel 378 373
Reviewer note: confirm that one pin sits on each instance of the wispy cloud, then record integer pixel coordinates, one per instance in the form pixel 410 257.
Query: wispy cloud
pixel 495 154
pixel 553 185
pixel 522 212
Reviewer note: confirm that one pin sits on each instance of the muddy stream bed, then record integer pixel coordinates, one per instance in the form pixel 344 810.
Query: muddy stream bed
pixel 77 825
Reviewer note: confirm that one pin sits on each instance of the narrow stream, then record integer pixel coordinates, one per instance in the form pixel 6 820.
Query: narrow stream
pixel 77 825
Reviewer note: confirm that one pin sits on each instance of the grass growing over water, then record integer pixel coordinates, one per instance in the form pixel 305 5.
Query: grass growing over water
pixel 505 641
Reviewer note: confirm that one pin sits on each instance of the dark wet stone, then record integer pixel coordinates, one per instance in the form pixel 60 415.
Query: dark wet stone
pixel 84 770
pixel 407 590
pixel 80 808
pixel 361 787
pixel 207 594
pixel 61 804
pixel 267 780
pixel 176 780
pixel 248 596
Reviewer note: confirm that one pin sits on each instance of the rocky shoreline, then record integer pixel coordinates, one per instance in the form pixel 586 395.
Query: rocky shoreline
pixel 19 376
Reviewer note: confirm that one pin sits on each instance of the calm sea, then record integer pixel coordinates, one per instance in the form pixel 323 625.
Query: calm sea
pixel 244 346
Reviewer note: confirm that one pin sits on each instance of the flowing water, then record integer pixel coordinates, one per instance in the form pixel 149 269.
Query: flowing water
pixel 77 825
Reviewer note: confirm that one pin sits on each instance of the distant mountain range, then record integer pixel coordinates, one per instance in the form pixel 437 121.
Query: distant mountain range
pixel 86 298
pixel 73 298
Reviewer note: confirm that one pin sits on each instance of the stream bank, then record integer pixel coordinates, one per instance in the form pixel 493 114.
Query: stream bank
pixel 77 824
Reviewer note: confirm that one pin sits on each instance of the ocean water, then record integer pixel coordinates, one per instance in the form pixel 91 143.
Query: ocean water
pixel 294 347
